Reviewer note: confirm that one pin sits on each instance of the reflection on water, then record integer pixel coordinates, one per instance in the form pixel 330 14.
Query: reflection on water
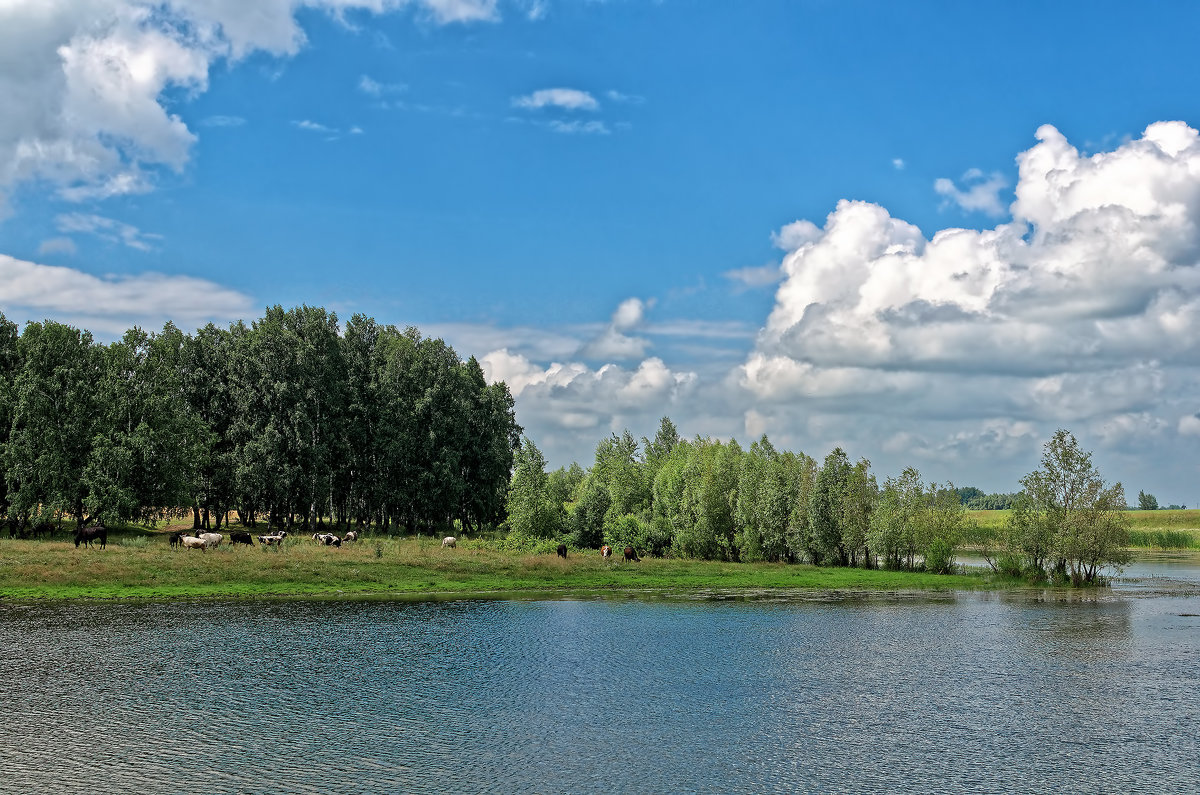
pixel 955 693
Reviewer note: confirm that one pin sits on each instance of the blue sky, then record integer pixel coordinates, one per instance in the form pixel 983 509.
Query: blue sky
pixel 599 200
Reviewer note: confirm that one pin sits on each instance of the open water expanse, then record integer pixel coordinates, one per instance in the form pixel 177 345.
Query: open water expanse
pixel 1036 691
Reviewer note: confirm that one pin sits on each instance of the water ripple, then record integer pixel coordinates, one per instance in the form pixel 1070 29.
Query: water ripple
pixel 959 693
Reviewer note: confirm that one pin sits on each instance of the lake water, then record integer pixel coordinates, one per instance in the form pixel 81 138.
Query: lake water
pixel 1039 691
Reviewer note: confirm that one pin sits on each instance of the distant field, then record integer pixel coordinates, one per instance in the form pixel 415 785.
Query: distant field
pixel 1178 529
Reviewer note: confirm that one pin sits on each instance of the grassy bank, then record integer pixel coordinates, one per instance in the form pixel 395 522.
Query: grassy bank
pixel 1149 530
pixel 143 565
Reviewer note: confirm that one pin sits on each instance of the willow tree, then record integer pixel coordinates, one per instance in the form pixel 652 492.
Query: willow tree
pixel 1080 517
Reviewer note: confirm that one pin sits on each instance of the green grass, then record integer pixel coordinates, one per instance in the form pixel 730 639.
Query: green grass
pixel 140 564
pixel 1153 530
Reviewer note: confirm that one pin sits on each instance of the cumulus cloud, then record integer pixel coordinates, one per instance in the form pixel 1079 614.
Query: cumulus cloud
pixel 564 98
pixel 84 82
pixel 1082 310
pixel 615 342
pixel 108 305
pixel 569 406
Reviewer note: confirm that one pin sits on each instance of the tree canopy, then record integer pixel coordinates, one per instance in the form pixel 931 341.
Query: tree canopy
pixel 291 419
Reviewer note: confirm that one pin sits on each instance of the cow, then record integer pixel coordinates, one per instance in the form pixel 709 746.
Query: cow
pixel 350 536
pixel 606 552
pixel 273 540
pixel 449 541
pixel 191 542
pixel 175 538
pixel 562 551
pixel 327 539
pixel 211 539
pixel 89 534
pixel 631 554
pixel 241 538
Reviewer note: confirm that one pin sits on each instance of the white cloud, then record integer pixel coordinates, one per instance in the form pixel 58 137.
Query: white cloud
pixel 83 81
pixel 753 276
pixel 568 407
pixel 106 229
pixel 796 234
pixel 222 121
pixel 108 305
pixel 1083 311
pixel 898 163
pixel 564 98
pixel 614 342
pixel 982 193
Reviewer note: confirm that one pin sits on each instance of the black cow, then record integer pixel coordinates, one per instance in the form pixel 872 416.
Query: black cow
pixel 175 538
pixel 631 554
pixel 241 538
pixel 89 534
pixel 562 551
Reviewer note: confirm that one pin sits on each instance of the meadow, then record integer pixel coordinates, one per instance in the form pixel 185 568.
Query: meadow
pixel 140 563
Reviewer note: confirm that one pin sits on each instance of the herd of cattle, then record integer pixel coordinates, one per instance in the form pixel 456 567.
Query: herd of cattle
pixel 203 541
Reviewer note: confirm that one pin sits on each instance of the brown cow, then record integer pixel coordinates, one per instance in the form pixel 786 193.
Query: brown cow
pixel 562 551
pixel 606 551
pixel 631 554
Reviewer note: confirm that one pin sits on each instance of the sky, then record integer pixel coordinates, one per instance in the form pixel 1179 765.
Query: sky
pixel 929 233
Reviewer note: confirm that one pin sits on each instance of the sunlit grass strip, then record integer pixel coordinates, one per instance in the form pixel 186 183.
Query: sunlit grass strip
pixel 54 569
pixel 1155 530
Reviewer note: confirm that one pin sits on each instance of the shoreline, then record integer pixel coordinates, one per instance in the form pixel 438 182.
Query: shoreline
pixel 412 569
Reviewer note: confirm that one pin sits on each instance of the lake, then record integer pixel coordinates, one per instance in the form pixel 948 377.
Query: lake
pixel 1031 691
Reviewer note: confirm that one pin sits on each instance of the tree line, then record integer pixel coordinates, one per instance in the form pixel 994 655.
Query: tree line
pixel 288 420
pixel 713 499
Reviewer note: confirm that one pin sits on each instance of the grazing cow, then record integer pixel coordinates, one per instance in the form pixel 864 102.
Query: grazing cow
pixel 273 540
pixel 350 536
pixel 211 539
pixel 327 539
pixel 175 537
pixel 606 551
pixel 449 541
pixel 191 542
pixel 631 554
pixel 562 551
pixel 89 534
pixel 241 538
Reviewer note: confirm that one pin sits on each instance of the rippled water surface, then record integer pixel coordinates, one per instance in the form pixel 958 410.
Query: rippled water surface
pixel 1030 692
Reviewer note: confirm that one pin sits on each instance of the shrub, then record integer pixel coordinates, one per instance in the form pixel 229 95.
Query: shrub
pixel 939 558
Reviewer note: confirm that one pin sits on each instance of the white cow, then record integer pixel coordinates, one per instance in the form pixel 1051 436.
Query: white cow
pixel 211 539
pixel 449 541
pixel 189 542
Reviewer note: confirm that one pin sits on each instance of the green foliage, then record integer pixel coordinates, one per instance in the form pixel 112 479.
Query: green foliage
pixel 531 511
pixel 1147 502
pixel 1072 522
pixel 286 419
